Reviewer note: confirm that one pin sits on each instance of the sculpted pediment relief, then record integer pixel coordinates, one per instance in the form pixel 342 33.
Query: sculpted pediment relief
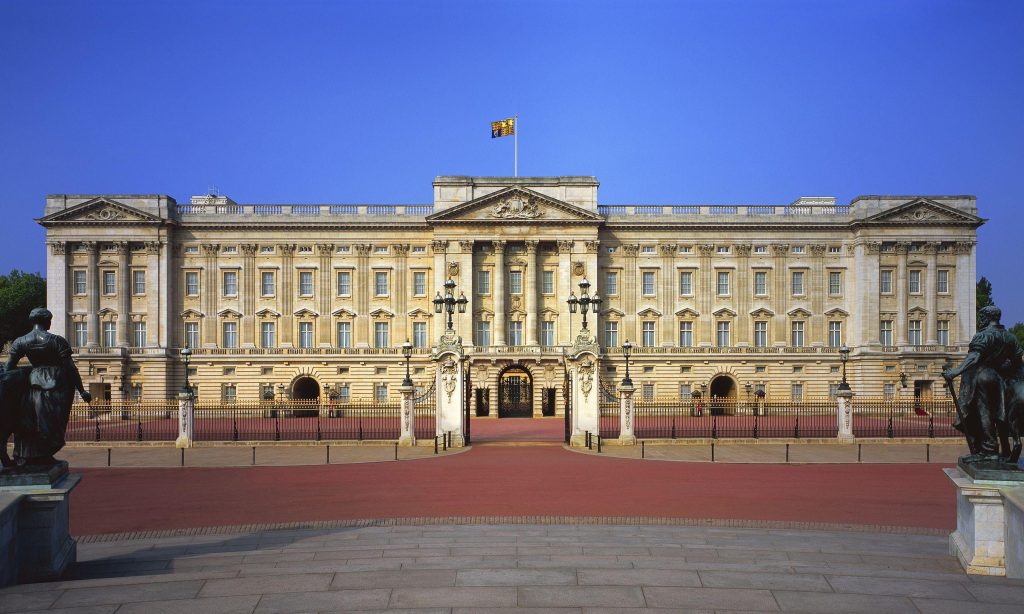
pixel 100 211
pixel 515 204
pixel 924 211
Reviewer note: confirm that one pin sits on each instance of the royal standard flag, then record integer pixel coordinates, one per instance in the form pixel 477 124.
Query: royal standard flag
pixel 503 127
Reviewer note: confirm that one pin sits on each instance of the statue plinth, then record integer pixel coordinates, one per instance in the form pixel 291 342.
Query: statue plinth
pixel 994 470
pixel 33 475
pixel 35 520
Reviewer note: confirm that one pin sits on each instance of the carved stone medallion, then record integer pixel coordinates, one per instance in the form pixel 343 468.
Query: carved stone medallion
pixel 518 207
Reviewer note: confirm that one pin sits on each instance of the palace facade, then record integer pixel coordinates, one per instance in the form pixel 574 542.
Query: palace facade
pixel 303 300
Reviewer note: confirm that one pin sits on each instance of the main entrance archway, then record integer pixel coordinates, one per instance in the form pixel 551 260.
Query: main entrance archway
pixel 305 389
pixel 515 393
pixel 723 395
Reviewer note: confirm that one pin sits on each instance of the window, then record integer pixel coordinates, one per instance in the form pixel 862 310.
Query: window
pixel 648 283
pixel 344 334
pixel 230 283
pixel 380 249
pixel 885 281
pixel 109 282
pixel 419 283
pixel 722 334
pixel 192 283
pixel 269 249
pixel 230 334
pixel 305 283
pixel 647 392
pixel 268 334
pixel 191 249
pixel 647 249
pixel 796 392
pixel 229 392
pixel 515 282
pixel 834 249
pixel 547 333
pixel 380 393
pixel 685 392
pixel 79 282
pixel 798 249
pixel 81 334
pixel 942 332
pixel 483 282
pixel 611 283
pixel 723 249
pixel 267 283
pixel 136 392
pixel 760 249
pixel 835 279
pixel 419 334
pixel 915 282
pixel 723 283
pixel 612 250
pixel 109 334
pixel 380 334
pixel 547 282
pixel 760 283
pixel 647 337
pixel 344 283
pixel 685 249
pixel 380 283
pixel 192 334
pixel 686 283
pixel 231 249
pixel 685 334
pixel 942 281
pixel 305 334
pixel 835 334
pixel 483 333
pixel 419 249
pixel 139 334
pixel 798 334
pixel 914 336
pixel 515 333
pixel 889 390
pixel 760 334
pixel 611 334
pixel 798 282
pixel 138 282
pixel 885 332
pixel 344 394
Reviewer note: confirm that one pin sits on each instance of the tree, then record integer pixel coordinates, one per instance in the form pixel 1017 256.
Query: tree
pixel 983 292
pixel 20 293
pixel 1018 332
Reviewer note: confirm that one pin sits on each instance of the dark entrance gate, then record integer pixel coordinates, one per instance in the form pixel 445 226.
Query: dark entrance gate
pixel 515 393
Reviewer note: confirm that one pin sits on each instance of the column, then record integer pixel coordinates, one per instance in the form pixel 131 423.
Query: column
pixel 705 295
pixel 249 290
pixel 286 289
pixel 781 293
pixel 155 310
pixel 844 415
pixel 400 294
pixel 124 293
pixel 466 272
pixel 498 289
pixel 530 288
pixel 362 289
pixel 626 415
pixel 867 271
pixel 94 293
pixel 818 290
pixel 930 250
pixel 596 285
pixel 169 292
pixel 965 292
pixel 901 292
pixel 325 291
pixel 440 249
pixel 629 293
pixel 742 291
pixel 407 436
pixel 186 414
pixel 57 288
pixel 565 333
pixel 208 296
pixel 666 295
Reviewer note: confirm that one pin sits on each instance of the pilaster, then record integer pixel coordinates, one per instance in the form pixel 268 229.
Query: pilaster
pixel 706 291
pixel 124 292
pixel 466 284
pixel 287 291
pixel 156 282
pixel 208 297
pixel 666 277
pixel 531 294
pixel 564 288
pixel 901 292
pixel 400 293
pixel 362 291
pixel 94 293
pixel 742 290
pixel 818 290
pixel 249 289
pixel 781 277
pixel 57 299
pixel 498 289
pixel 930 292
pixel 630 273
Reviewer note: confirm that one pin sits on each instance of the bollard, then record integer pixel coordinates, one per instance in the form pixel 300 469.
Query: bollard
pixel 108 456
pixel 435 444
pixel 599 443
pixel 642 443
pixel 328 454
pixel 396 451
pixel 712 453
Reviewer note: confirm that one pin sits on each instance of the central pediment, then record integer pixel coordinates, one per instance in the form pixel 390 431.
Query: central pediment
pixel 515 205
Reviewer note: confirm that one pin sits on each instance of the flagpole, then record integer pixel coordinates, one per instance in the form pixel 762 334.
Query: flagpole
pixel 515 135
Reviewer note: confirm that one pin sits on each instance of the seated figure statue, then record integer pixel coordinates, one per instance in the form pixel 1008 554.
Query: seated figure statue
pixel 35 402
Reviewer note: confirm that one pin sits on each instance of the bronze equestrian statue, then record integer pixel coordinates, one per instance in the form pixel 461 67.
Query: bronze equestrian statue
pixel 990 406
pixel 35 401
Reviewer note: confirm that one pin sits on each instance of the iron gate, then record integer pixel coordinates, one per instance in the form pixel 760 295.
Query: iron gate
pixel 515 394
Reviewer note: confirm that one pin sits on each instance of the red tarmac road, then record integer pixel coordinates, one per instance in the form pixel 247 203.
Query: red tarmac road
pixel 512 481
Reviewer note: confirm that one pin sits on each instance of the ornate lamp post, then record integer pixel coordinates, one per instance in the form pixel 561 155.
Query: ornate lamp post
pixel 844 356
pixel 407 353
pixel 280 392
pixel 448 302
pixel 584 301
pixel 186 355
pixel 747 388
pixel 626 348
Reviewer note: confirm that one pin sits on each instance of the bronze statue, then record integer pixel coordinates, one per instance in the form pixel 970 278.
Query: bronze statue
pixel 991 392
pixel 35 402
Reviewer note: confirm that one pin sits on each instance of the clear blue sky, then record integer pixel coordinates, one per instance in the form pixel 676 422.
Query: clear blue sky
pixel 710 101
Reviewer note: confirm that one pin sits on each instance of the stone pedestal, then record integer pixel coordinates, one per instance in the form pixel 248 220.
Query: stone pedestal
pixel 450 385
pixel 584 394
pixel 981 540
pixel 186 418
pixel 626 415
pixel 40 533
pixel 844 415
pixel 407 437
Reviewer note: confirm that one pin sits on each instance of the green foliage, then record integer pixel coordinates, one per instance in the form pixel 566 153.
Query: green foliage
pixel 983 292
pixel 20 293
pixel 1018 332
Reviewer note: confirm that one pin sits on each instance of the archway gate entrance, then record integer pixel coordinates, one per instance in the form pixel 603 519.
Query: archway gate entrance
pixel 515 392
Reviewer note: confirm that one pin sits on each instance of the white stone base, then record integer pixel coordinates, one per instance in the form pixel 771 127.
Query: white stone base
pixel 980 539
pixel 627 440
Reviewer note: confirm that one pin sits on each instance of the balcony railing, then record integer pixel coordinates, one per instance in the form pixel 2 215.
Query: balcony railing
pixel 730 210
pixel 265 210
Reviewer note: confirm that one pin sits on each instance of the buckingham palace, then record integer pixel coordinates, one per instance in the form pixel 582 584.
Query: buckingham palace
pixel 302 300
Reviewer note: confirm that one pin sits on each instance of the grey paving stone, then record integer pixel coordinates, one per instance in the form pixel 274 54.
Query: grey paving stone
pixel 394 579
pixel 334 555
pixel 945 606
pixel 157 591
pixel 793 601
pixel 146 579
pixel 460 563
pixel 711 598
pixel 581 596
pixel 13 602
pixel 461 597
pixel 901 586
pixel 771 581
pixel 255 585
pixel 343 600
pixel 556 563
pixel 239 604
pixel 515 577
pixel 278 557
pixel 92 609
pixel 995 593
pixel 637 577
